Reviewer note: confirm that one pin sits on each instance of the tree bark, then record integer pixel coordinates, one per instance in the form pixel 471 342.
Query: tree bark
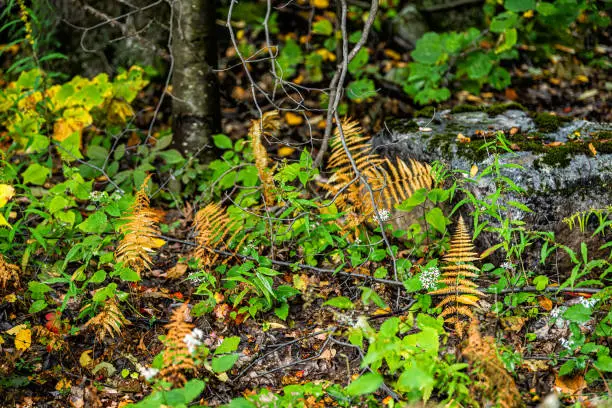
pixel 196 113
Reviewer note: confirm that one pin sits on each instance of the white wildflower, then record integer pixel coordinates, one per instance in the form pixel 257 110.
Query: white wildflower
pixel 357 241
pixel 383 215
pixel 194 339
pixel 507 266
pixel 429 278
pixel 148 372
pixel 557 314
pixel 568 344
pixel 588 303
pixel 96 195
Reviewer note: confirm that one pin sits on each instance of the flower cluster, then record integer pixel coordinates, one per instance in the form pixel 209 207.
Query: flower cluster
pixel 567 343
pixel 429 278
pixel 194 339
pixel 507 266
pixel 383 215
pixel 195 278
pixel 588 303
pixel 557 314
pixel 148 372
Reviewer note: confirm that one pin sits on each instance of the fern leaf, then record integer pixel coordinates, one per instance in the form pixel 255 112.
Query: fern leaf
pixel 8 273
pixel 214 230
pixel 140 233
pixel 268 123
pixel 460 292
pixel 177 357
pixel 109 321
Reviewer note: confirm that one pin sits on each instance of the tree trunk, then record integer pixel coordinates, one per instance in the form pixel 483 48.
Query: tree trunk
pixel 195 107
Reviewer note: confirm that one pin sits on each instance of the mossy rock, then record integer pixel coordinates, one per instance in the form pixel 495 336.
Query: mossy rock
pixel 547 122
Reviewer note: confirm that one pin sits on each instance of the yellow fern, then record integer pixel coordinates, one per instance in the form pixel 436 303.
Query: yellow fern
pixel 8 273
pixel 268 123
pixel 391 181
pixel 109 321
pixel 214 230
pixel 460 292
pixel 492 381
pixel 177 357
pixel 140 233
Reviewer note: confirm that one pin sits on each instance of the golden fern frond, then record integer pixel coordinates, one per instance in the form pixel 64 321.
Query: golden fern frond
pixel 177 357
pixel 391 182
pixel 8 273
pixel 461 292
pixel 109 321
pixel 139 233
pixel 268 123
pixel 492 380
pixel 214 230
pixel 463 299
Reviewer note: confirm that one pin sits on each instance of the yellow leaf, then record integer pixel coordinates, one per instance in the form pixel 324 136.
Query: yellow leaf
pixel 321 4
pixel 85 360
pixel 23 339
pixel 283 151
pixel 1 340
pixel 473 170
pixel 119 111
pixel 591 148
pixel 11 298
pixel 528 14
pixel 63 384
pixel 14 330
pixel 4 223
pixel 177 271
pixel 326 54
pixel 6 193
pixel 293 120
pixel 582 78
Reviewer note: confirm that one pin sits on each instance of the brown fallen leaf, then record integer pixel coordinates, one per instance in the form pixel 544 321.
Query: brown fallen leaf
pixel 513 323
pixel 536 365
pixel 545 303
pixel 592 149
pixel 177 271
pixel 571 385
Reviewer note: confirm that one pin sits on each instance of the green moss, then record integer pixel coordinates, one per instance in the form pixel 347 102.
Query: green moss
pixel 402 125
pixel 442 141
pixel 426 112
pixel 499 108
pixel 491 110
pixel 472 151
pixel 547 122
pixel 603 135
pixel 463 108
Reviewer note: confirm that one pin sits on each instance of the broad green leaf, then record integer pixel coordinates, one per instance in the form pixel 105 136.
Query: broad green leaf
pixel 222 141
pixel 229 344
pixel 36 174
pixel 503 22
pixel 436 219
pixel 366 384
pixel 341 302
pixel 96 223
pixel 578 313
pixel 361 89
pixel 323 27
pixel 519 5
pixel 224 363
pixel 428 49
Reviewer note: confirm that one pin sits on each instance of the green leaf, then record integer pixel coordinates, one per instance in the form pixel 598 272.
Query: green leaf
pixel 96 223
pixel 224 363
pixel 478 65
pixel 366 384
pixel 282 311
pixel 229 344
pixel 35 174
pixel 413 201
pixel 519 5
pixel 604 363
pixel 361 89
pixel 97 152
pixel 499 78
pixel 323 27
pixel 567 368
pixel 578 313
pixel 436 219
pixel 520 206
pixel 290 56
pixel 358 62
pixel 510 38
pixel 546 9
pixel 503 22
pixel 428 49
pixel 37 306
pixel 540 282
pixel 341 302
pixel 128 275
pixel 222 141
